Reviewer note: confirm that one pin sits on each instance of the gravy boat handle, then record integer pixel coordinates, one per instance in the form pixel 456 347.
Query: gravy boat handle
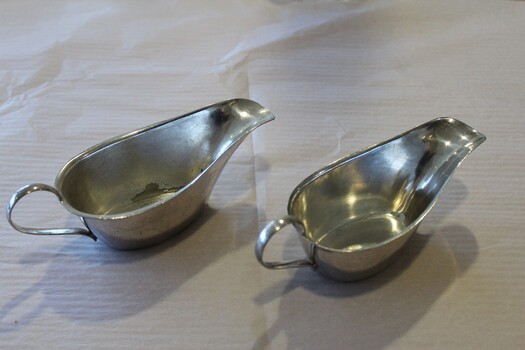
pixel 266 234
pixel 41 231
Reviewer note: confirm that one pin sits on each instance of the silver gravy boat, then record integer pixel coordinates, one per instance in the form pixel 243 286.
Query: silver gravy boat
pixel 355 214
pixel 140 188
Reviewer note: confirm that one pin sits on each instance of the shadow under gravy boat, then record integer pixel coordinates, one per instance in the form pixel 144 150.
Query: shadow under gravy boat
pixel 140 188
pixel 355 214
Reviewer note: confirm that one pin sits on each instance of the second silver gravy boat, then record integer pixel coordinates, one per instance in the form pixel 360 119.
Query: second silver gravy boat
pixel 355 214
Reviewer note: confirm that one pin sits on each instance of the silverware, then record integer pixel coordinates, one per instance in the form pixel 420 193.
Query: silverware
pixel 140 188
pixel 355 214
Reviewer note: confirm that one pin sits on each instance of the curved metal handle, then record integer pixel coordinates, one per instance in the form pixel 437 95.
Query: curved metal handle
pixel 41 231
pixel 264 237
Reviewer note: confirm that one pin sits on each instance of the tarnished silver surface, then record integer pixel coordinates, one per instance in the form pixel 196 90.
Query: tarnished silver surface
pixel 354 215
pixel 140 188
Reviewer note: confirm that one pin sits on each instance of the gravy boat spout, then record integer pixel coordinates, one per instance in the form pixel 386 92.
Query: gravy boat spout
pixel 140 188
pixel 355 214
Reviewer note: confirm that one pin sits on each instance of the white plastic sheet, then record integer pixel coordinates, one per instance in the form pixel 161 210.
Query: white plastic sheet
pixel 339 76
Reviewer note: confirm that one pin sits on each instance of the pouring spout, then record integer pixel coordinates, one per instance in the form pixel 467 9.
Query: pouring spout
pixel 247 116
pixel 229 123
pixel 444 143
pixel 450 141
pixel 458 134
pixel 476 140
